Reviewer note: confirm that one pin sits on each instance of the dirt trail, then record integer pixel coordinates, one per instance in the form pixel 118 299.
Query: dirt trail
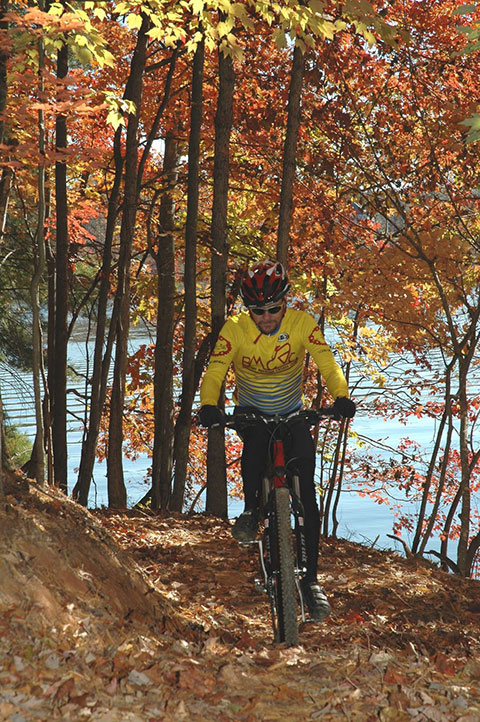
pixel 128 617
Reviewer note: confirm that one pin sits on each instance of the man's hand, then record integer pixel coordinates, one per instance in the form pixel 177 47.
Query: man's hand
pixel 210 415
pixel 344 406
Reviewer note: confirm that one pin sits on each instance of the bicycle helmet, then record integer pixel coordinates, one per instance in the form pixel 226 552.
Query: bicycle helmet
pixel 263 283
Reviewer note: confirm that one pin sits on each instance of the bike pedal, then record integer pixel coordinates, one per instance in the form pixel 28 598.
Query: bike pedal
pixel 260 586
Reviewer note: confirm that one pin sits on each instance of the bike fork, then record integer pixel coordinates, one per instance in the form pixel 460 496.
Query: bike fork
pixel 262 584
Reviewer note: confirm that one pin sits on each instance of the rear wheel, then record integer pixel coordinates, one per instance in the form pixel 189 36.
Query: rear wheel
pixel 284 578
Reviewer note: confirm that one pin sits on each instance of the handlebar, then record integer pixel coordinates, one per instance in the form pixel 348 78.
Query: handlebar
pixel 310 416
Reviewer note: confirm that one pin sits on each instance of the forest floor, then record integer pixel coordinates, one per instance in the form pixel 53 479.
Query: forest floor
pixel 124 616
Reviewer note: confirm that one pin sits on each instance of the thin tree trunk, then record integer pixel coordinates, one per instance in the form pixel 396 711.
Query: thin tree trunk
pixel 340 478
pixel 6 179
pixel 216 502
pixel 5 185
pixel 463 542
pixel 448 524
pixel 50 342
pixel 290 155
pixel 421 534
pixel 162 462
pixel 438 497
pixel 39 267
pixel 59 398
pixel 333 477
pixel 4 25
pixel 183 425
pixel 101 357
pixel 117 496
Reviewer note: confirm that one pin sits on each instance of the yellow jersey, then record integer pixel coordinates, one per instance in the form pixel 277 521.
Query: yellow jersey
pixel 269 369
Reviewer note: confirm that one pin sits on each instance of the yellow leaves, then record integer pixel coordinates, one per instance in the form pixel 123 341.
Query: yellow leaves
pixel 224 27
pixel 122 8
pixel 362 29
pixel 197 6
pixel 240 12
pixel 99 13
pixel 58 27
pixel 119 107
pixel 134 21
pixel 365 20
pixel 279 38
pixel 359 8
pixel 318 6
pixel 325 28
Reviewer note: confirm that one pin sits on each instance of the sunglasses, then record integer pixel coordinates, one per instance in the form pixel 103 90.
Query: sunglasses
pixel 272 310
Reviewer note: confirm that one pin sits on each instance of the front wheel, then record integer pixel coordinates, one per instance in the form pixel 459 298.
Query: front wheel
pixel 284 576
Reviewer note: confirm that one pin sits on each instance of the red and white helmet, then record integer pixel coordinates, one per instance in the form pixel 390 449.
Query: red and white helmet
pixel 263 283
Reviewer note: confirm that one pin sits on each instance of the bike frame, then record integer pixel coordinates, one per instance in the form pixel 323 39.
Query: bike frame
pixel 277 581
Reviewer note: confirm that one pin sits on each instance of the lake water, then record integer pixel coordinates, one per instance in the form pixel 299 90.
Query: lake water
pixel 360 518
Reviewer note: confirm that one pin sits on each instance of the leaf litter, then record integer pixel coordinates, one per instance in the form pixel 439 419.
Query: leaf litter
pixel 121 615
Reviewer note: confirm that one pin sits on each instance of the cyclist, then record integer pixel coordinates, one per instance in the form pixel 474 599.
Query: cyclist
pixel 266 344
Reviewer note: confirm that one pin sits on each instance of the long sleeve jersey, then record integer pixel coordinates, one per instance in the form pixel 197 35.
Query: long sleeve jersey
pixel 269 369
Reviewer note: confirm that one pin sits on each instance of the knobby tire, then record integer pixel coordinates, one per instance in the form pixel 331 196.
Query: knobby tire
pixel 286 597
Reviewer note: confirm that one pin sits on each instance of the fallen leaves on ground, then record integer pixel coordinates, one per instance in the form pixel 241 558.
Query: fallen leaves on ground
pixel 126 616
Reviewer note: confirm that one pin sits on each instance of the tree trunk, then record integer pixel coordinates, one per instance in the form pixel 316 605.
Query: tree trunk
pixel 39 256
pixel 6 179
pixel 117 496
pixel 289 155
pixel 216 465
pixel 5 185
pixel 183 425
pixel 162 462
pixel 4 26
pixel 464 539
pixel 422 532
pixel 59 398
pixel 101 357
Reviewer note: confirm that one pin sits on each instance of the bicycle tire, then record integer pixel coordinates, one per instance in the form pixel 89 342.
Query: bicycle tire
pixel 285 587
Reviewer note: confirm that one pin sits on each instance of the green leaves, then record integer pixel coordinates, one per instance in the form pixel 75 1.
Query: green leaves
pixel 474 123
pixel 472 34
pixel 464 9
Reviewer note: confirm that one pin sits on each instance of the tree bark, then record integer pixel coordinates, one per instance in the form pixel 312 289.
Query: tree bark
pixel 59 398
pixel 465 491
pixel 216 502
pixel 4 26
pixel 39 267
pixel 183 425
pixel 162 462
pixel 117 496
pixel 5 185
pixel 289 155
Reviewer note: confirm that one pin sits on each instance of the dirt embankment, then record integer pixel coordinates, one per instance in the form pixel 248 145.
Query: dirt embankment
pixel 122 616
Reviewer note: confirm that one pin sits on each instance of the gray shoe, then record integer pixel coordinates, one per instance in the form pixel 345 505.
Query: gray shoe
pixel 246 526
pixel 315 600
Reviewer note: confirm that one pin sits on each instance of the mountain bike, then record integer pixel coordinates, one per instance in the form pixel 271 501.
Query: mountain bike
pixel 282 549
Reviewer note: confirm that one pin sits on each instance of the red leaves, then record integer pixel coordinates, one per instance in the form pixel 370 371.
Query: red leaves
pixel 446 665
pixel 353 617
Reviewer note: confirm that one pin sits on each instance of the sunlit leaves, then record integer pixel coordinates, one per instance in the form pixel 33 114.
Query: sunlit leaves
pixel 118 109
pixel 472 35
pixel 57 27
pixel 134 21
